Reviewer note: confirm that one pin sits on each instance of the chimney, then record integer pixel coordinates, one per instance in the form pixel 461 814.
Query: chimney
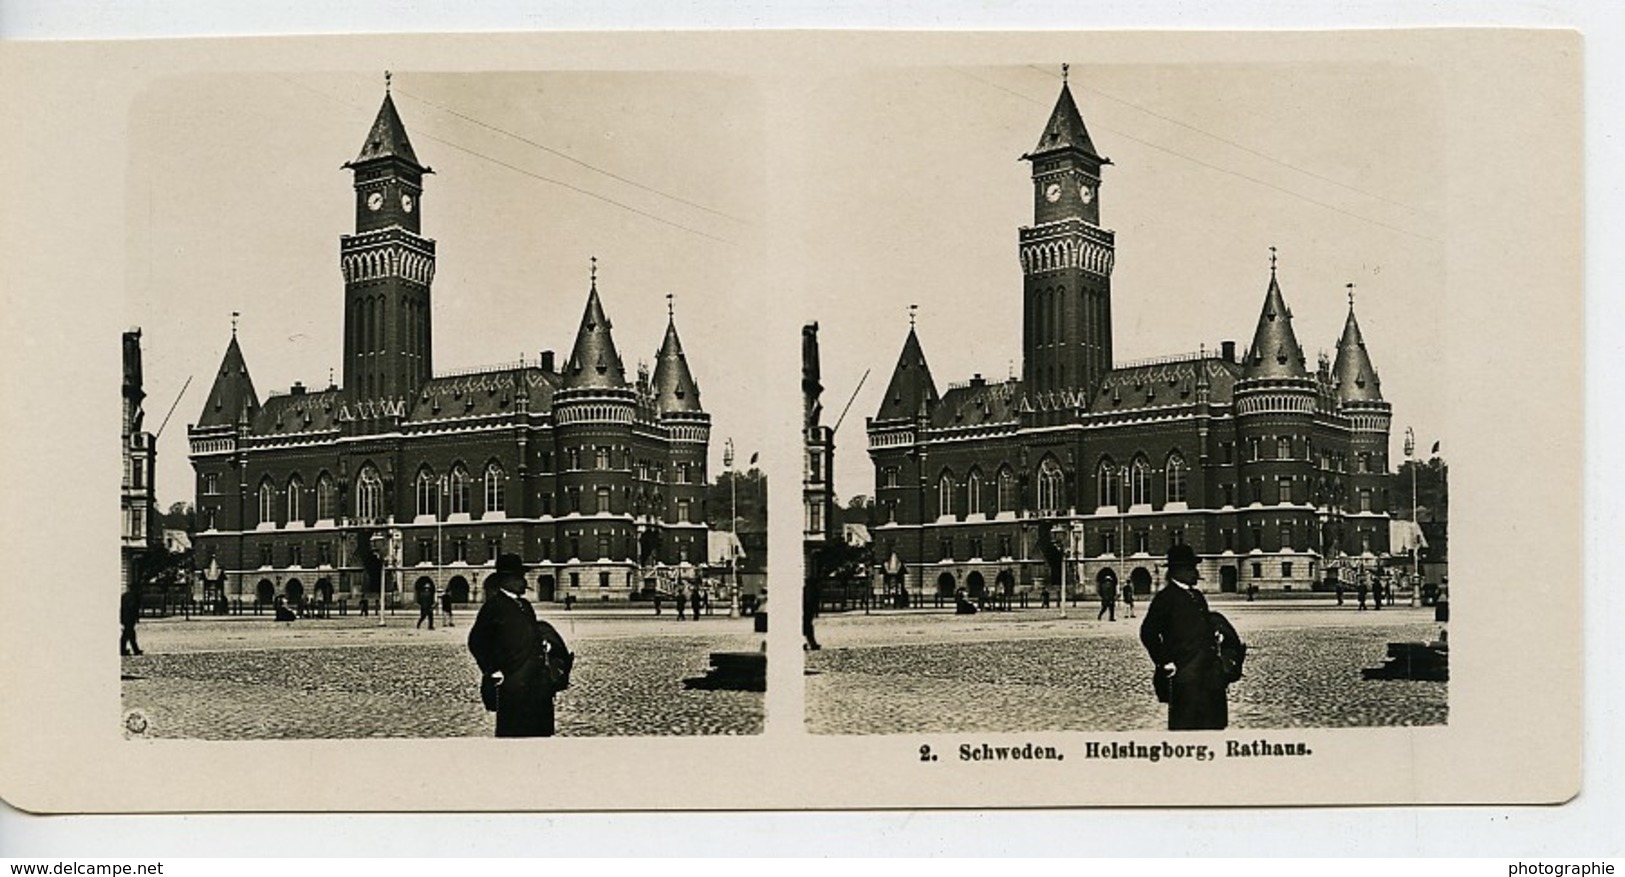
pixel 298 388
pixel 547 361
pixel 976 380
pixel 1227 350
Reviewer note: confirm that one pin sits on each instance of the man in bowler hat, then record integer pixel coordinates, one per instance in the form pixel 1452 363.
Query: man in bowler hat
pixel 1181 640
pixel 511 647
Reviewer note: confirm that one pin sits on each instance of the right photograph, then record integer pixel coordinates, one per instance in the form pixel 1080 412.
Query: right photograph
pixel 1187 469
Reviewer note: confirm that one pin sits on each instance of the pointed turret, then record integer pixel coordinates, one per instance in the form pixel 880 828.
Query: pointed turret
pixel 674 385
pixel 232 396
pixel 911 392
pixel 1357 380
pixel 594 362
pixel 1065 129
pixel 387 139
pixel 1275 352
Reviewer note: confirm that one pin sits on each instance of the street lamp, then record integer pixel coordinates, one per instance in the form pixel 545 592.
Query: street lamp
pixel 733 527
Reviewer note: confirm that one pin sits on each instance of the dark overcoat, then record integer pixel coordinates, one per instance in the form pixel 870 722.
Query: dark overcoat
pixel 1176 630
pixel 506 637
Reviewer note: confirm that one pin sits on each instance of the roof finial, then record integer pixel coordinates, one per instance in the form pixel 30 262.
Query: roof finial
pixel 912 310
pixel 234 316
pixel 387 76
pixel 594 271
pixel 1351 296
pixel 671 312
pixel 330 384
pixel 1064 69
pixel 1272 263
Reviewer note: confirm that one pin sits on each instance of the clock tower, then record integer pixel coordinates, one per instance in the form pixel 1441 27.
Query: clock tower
pixel 1066 259
pixel 388 267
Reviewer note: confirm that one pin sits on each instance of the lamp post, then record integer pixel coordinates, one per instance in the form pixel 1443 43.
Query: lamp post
pixel 439 531
pixel 733 529
pixel 1416 546
pixel 1122 524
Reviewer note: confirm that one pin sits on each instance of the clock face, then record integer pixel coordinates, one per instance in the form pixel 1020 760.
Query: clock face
pixel 406 203
pixel 1086 193
pixel 1052 192
pixel 375 201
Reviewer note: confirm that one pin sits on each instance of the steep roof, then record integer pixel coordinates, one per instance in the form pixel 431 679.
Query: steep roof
pixel 1357 380
pixel 233 390
pixel 387 139
pixel 1065 128
pixel 594 363
pixel 978 404
pixel 674 385
pixel 1162 384
pixel 1275 352
pixel 290 414
pixel 911 391
pixel 485 393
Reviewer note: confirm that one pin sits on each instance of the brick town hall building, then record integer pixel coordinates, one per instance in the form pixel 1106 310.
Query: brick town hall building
pixel 598 481
pixel 1274 469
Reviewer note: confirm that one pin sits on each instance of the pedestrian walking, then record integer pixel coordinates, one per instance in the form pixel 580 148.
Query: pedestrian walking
pixel 809 611
pixel 1106 587
pixel 363 607
pixel 445 606
pixel 1359 592
pixel 425 605
pixel 1376 594
pixel 657 602
pixel 1044 594
pixel 1180 637
pixel 682 600
pixel 523 661
pixel 1337 585
pixel 694 599
pixel 129 613
pixel 1128 600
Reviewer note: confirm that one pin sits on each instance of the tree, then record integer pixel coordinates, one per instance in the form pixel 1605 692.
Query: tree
pixel 1432 490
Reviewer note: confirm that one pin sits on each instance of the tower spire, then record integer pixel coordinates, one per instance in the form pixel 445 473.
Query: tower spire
pixel 1275 352
pixel 234 316
pixel 1356 377
pixel 674 385
pixel 594 362
pixel 912 311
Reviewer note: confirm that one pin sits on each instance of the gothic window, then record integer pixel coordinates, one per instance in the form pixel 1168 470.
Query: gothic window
pixel 1365 499
pixel 369 496
pixel 267 502
pixel 296 490
pixel 457 491
pixel 1009 495
pixel 1176 478
pixel 1051 487
pixel 211 484
pixel 326 498
pixel 683 510
pixel 575 458
pixel 1106 484
pixel 945 495
pixel 1252 448
pixel 1283 448
pixel 602 507
pixel 1139 482
pixel 494 494
pixel 973 493
pixel 601 459
pixel 427 501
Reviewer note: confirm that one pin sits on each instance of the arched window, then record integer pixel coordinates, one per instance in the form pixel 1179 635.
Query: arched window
pixel 327 498
pixel 1139 482
pixel 945 495
pixel 1283 448
pixel 295 491
pixel 369 496
pixel 1106 484
pixel 601 460
pixel 427 493
pixel 457 491
pixel 973 493
pixel 494 494
pixel 1176 476
pixel 1051 487
pixel 267 502
pixel 1009 494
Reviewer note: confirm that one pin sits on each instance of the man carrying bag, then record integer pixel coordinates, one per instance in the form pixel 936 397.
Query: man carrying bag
pixel 523 661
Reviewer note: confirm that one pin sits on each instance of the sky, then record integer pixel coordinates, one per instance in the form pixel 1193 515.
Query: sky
pixel 238 200
pixel 920 192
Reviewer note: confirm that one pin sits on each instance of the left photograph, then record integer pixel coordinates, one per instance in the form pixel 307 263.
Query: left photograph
pixel 415 443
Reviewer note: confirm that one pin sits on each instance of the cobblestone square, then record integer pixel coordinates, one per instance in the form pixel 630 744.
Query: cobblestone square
pixel 1031 670
pixel 252 678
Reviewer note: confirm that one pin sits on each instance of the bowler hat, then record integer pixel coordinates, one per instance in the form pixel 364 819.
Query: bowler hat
pixel 510 571
pixel 1182 557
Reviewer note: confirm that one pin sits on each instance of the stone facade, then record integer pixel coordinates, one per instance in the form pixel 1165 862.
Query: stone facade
pixel 595 478
pixel 1276 470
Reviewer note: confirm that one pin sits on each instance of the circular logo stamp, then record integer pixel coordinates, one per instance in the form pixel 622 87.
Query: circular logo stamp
pixel 135 723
